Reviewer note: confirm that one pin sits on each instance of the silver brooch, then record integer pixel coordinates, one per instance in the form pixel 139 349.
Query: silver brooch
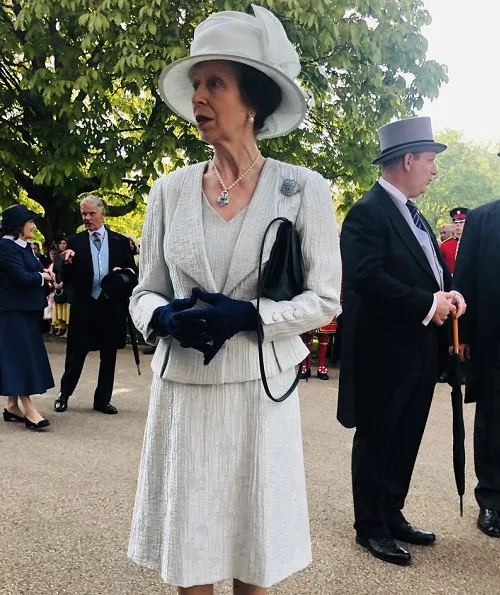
pixel 289 187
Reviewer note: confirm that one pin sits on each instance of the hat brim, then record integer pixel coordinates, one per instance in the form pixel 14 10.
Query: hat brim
pixel 409 148
pixel 176 91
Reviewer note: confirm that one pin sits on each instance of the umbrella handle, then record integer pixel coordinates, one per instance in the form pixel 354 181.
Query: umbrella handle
pixel 456 342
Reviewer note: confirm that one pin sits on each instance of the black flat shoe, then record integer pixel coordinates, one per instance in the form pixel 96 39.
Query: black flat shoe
pixel 8 416
pixel 61 403
pixel 31 425
pixel 489 522
pixel 109 409
pixel 405 532
pixel 322 375
pixel 386 549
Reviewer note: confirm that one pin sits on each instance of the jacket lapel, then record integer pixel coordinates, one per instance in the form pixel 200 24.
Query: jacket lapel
pixel 261 210
pixel 403 229
pixel 112 249
pixel 185 246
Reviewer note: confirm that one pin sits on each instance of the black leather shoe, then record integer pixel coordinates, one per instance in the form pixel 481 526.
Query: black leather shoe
pixel 31 425
pixel 386 549
pixel 305 373
pixel 149 350
pixel 405 532
pixel 109 409
pixel 8 416
pixel 322 376
pixel 489 522
pixel 61 403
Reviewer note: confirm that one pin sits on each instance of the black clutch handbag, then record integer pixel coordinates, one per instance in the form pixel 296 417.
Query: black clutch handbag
pixel 60 296
pixel 282 279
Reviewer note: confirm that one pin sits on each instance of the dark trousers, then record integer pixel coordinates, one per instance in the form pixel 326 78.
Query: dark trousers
pixel 487 439
pixel 91 319
pixel 385 448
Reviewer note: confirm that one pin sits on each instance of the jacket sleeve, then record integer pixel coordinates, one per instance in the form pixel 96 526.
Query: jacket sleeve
pixel 319 302
pixel 155 286
pixel 363 248
pixel 13 265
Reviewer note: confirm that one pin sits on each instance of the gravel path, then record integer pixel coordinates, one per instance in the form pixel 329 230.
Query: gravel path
pixel 67 496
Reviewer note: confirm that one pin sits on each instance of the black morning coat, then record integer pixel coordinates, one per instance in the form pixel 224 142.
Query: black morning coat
pixel 477 278
pixel 388 291
pixel 78 277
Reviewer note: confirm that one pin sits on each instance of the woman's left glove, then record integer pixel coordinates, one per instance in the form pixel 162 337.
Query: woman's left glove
pixel 224 319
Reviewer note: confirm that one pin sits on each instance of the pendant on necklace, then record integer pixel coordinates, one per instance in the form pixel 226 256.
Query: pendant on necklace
pixel 223 199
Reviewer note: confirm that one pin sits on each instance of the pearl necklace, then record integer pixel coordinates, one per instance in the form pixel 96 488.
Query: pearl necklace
pixel 223 199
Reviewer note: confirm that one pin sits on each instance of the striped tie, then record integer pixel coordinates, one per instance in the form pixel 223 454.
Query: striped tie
pixel 415 215
pixel 96 238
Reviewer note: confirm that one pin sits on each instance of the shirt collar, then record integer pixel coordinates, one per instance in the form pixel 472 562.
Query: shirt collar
pixel 19 241
pixel 101 231
pixel 392 190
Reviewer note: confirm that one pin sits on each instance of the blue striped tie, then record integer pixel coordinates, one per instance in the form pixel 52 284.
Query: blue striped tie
pixel 415 215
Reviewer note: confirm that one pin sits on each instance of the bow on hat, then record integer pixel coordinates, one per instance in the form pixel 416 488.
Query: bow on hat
pixel 282 56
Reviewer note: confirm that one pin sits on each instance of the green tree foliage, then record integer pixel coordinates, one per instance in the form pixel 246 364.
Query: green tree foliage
pixel 468 176
pixel 80 111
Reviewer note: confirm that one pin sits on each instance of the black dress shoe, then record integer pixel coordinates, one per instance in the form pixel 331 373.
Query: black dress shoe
pixel 305 373
pixel 405 532
pixel 61 403
pixel 322 375
pixel 489 522
pixel 149 350
pixel 385 548
pixel 109 409
pixel 31 425
pixel 8 416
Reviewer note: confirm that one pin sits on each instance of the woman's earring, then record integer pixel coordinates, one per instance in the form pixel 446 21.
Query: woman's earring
pixel 251 119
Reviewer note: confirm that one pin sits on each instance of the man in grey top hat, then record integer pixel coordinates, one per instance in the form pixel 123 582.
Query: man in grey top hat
pixel 396 304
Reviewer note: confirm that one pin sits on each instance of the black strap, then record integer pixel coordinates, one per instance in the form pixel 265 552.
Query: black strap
pixel 260 332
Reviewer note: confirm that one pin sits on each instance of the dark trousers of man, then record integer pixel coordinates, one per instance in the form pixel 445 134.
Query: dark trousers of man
pixel 90 329
pixel 385 447
pixel 487 439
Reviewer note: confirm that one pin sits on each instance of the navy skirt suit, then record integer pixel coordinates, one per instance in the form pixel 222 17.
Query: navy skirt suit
pixel 24 364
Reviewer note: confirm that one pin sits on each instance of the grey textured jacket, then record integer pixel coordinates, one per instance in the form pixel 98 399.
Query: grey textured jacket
pixel 173 260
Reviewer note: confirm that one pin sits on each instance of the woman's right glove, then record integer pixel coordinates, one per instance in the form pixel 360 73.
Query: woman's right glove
pixel 163 322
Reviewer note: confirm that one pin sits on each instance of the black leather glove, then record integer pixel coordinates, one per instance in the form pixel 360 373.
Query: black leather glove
pixel 221 321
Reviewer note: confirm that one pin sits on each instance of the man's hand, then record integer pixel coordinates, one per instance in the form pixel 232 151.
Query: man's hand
pixel 67 255
pixel 458 301
pixel 444 307
pixel 464 351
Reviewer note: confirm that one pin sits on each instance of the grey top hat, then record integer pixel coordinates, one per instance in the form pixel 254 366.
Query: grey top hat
pixel 413 135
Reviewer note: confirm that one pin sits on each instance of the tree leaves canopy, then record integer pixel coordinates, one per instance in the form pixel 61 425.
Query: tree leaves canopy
pixel 80 109
pixel 468 176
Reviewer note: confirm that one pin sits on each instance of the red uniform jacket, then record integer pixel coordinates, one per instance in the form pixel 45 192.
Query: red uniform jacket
pixel 449 252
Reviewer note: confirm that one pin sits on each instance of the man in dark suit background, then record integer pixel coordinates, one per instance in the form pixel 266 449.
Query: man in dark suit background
pixel 476 277
pixel 396 301
pixel 96 322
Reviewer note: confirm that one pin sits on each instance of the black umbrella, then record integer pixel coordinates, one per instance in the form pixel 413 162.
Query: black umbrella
pixel 133 340
pixel 455 381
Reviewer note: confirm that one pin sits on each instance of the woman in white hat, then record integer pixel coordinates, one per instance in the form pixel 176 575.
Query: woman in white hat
pixel 221 492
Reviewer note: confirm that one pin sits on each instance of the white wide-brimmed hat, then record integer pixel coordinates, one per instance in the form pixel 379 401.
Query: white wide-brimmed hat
pixel 413 135
pixel 259 41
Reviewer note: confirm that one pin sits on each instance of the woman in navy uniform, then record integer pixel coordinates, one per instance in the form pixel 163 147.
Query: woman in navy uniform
pixel 24 365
